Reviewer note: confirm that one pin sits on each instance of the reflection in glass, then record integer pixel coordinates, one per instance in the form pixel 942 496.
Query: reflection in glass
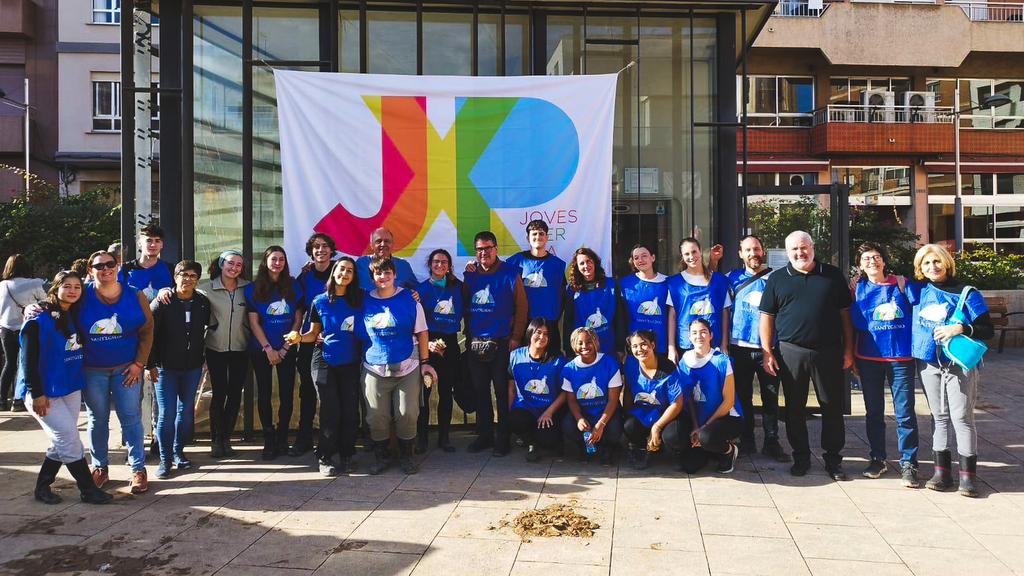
pixel 1010 222
pixel 447 44
pixel 941 184
pixel 940 223
pixel 796 94
pixel 978 221
pixel 1010 184
pixel 392 42
pixel 348 40
pixel 286 33
pixel 876 182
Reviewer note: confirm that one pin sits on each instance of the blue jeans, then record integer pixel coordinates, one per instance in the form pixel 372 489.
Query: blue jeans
pixel 100 387
pixel 900 374
pixel 175 400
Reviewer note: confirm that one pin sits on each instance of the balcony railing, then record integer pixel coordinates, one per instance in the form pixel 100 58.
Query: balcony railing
pixel 855 113
pixel 798 9
pixel 991 11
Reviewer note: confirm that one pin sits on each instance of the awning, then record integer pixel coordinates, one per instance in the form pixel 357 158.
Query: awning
pixel 975 167
pixel 784 164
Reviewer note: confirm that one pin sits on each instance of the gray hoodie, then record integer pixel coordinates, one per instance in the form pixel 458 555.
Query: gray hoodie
pixel 15 295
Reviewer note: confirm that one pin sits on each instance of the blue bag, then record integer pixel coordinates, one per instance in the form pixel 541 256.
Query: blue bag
pixel 963 351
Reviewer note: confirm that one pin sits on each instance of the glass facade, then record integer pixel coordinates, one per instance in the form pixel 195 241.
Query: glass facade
pixel 993 210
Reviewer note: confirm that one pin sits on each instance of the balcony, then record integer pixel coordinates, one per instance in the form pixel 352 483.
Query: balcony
pixel 798 9
pixel 857 114
pixel 991 11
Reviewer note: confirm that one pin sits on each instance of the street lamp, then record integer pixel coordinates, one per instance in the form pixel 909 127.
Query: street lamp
pixel 958 203
pixel 25 107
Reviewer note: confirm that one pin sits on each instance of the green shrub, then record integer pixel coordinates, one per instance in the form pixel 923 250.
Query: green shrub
pixel 982 268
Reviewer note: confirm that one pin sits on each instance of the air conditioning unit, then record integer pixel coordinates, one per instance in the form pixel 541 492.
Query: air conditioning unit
pixel 879 105
pixel 918 106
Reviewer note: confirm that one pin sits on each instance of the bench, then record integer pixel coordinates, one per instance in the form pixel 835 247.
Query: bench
pixel 1001 318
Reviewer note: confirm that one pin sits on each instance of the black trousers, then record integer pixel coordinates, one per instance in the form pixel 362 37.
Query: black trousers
pixel 746 362
pixel 714 440
pixel 524 424
pixel 672 435
pixel 263 372
pixel 307 390
pixel 609 438
pixel 11 346
pixel 338 388
pixel 448 368
pixel 227 378
pixel 799 367
pixel 487 376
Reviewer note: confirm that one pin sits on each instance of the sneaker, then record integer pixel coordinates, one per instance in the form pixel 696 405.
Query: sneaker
pixel 140 481
pixel 875 469
pixel 18 406
pixel 327 468
pixel 607 457
pixel 835 471
pixel 775 451
pixel 908 476
pixel 163 470
pixel 182 463
pixel 746 448
pixel 727 462
pixel 480 444
pixel 347 466
pixel 800 468
pixel 100 475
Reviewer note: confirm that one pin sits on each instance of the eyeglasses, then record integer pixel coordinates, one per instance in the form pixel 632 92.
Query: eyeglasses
pixel 870 258
pixel 485 249
pixel 110 265
pixel 432 262
pixel 185 276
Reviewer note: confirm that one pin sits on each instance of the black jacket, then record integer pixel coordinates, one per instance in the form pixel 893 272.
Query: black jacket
pixel 172 349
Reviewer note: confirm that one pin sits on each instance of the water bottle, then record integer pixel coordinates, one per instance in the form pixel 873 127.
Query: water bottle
pixel 586 441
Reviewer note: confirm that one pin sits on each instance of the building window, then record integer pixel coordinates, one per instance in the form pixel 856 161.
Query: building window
pixel 876 185
pixel 106 11
pixel 973 92
pixel 993 210
pixel 850 90
pixel 777 100
pixel 106 107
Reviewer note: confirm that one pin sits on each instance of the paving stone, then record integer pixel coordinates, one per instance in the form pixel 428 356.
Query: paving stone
pixel 416 504
pixel 338 517
pixel 482 523
pixel 397 535
pixel 940 561
pixel 933 533
pixel 568 551
pixel 808 509
pixel 356 560
pixel 630 561
pixel 445 555
pixel 547 568
pixel 841 543
pixel 761 556
pixel 741 521
pixel 730 490
pixel 290 549
pixel 824 567
pixel 1008 549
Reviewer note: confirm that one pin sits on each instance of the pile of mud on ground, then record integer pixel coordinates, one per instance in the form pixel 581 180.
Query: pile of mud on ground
pixel 555 520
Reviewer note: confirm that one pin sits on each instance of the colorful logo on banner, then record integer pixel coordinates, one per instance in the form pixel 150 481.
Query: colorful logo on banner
pixel 499 153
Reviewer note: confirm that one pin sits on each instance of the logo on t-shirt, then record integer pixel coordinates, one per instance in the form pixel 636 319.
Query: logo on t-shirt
pixel 887 311
pixel 647 398
pixel 596 319
pixel 753 298
pixel 935 312
pixel 483 296
pixel 538 386
pixel 589 391
pixel 649 308
pixel 698 394
pixel 445 306
pixel 72 344
pixel 106 326
pixel 348 324
pixel 279 308
pixel 150 292
pixel 535 280
pixel 383 319
pixel 702 306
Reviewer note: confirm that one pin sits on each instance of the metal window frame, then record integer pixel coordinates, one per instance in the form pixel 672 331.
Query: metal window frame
pixel 114 12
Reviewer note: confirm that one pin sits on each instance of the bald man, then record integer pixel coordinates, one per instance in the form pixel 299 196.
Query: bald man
pixel 382 241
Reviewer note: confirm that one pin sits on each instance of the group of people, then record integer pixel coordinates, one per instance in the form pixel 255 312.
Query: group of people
pixel 569 354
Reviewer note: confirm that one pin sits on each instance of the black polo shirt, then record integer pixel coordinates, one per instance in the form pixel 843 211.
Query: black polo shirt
pixel 806 306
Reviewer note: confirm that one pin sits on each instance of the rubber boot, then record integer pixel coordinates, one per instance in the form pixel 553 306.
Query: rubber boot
pixel 382 452
pixel 968 474
pixel 47 476
pixel 269 443
pixel 89 492
pixel 443 440
pixel 405 450
pixel 943 477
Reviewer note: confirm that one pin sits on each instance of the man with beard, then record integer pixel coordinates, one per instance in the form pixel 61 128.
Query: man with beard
pixel 807 304
pixel 747 285
pixel 382 241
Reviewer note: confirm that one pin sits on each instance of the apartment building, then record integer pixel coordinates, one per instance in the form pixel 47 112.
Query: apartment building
pixel 865 93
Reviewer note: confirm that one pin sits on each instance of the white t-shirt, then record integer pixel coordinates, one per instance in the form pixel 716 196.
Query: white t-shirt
pixel 658 278
pixel 691 359
pixel 698 280
pixel 615 382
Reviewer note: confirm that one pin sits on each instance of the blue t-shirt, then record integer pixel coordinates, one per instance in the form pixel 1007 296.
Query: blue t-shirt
pixel 933 307
pixel 404 275
pixel 149 280
pixel 442 306
pixel 388 327
pixel 311 288
pixel 595 309
pixel 647 307
pixel 692 302
pixel 61 367
pixel 490 301
pixel 341 343
pixel 745 319
pixel 591 384
pixel 276 314
pixel 544 281
pixel 704 379
pixel 881 315
pixel 538 384
pixel 109 333
pixel 651 395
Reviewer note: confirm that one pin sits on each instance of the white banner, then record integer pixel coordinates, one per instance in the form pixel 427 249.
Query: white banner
pixel 436 159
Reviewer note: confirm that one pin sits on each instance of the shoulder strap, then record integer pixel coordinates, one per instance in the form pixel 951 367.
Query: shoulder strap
pixel 963 297
pixel 751 280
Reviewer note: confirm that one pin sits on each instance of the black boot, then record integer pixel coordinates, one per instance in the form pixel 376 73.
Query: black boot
pixel 405 448
pixel 303 442
pixel 282 439
pixel 216 447
pixel 443 442
pixel 421 430
pixel 968 474
pixel 47 475
pixel 269 444
pixel 382 452
pixel 643 459
pixel 225 442
pixel 89 492
pixel 943 477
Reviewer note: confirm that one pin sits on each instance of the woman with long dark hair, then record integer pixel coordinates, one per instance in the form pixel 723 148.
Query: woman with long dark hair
pixel 652 400
pixel 644 296
pixel 590 302
pixel 52 387
pixel 274 304
pixel 17 290
pixel 536 403
pixel 441 298
pixel 335 365
pixel 696 292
